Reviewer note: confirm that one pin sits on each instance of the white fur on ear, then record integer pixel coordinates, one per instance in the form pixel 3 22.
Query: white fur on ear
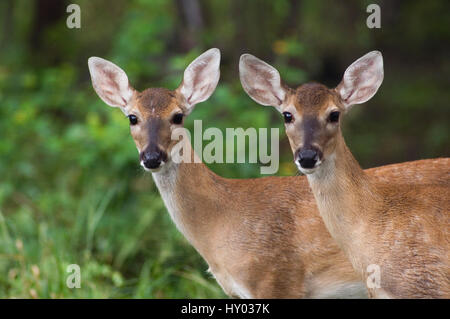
pixel 261 81
pixel 201 77
pixel 361 79
pixel 110 82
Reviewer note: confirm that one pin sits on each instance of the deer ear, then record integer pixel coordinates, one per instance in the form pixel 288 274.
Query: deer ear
pixel 201 77
pixel 361 79
pixel 261 81
pixel 110 82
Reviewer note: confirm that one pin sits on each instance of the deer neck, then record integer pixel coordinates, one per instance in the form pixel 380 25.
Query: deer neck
pixel 188 191
pixel 344 195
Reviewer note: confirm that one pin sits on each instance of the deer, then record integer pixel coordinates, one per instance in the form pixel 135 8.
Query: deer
pixel 396 229
pixel 261 237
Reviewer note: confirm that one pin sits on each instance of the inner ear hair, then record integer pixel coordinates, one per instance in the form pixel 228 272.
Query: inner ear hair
pixel 200 78
pixel 261 81
pixel 361 80
pixel 110 82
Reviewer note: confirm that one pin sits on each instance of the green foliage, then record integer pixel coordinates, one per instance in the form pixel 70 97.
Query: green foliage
pixel 71 190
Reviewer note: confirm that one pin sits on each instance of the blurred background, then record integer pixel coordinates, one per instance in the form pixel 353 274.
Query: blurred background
pixel 71 189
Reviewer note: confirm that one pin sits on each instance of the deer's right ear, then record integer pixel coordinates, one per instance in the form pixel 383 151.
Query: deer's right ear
pixel 110 82
pixel 200 78
pixel 361 79
pixel 261 81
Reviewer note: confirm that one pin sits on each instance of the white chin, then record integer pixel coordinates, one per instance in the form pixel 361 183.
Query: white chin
pixel 152 170
pixel 307 171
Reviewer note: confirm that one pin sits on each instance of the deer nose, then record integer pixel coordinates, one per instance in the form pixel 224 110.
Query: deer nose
pixel 152 160
pixel 307 158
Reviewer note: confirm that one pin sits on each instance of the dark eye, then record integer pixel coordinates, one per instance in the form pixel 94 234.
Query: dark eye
pixel 334 117
pixel 133 119
pixel 177 118
pixel 287 117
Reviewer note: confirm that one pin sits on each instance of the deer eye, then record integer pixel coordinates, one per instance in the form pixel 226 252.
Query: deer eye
pixel 133 119
pixel 287 117
pixel 177 118
pixel 334 117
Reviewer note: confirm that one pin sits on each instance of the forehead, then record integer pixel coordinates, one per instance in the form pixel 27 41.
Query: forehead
pixel 157 101
pixel 313 97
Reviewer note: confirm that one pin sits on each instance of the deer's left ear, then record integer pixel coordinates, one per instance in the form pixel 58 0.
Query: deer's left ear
pixel 110 82
pixel 261 81
pixel 200 78
pixel 361 79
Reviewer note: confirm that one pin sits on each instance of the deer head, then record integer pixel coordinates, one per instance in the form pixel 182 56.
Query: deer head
pixel 155 112
pixel 312 111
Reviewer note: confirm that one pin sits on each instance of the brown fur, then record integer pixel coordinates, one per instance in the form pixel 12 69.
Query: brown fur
pixel 264 233
pixel 312 95
pixel 401 225
pixel 157 98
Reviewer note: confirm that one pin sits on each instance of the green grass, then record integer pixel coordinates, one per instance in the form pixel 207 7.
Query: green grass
pixel 124 251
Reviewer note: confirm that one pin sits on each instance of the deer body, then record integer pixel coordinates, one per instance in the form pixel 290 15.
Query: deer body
pixel 401 226
pixel 262 238
pixel 255 246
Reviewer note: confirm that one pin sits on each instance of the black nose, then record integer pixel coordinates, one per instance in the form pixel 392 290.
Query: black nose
pixel 152 160
pixel 308 158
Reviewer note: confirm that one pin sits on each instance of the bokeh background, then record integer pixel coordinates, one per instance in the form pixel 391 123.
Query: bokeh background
pixel 71 189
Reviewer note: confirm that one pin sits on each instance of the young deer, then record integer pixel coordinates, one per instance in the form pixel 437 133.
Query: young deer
pixel 262 238
pixel 398 226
